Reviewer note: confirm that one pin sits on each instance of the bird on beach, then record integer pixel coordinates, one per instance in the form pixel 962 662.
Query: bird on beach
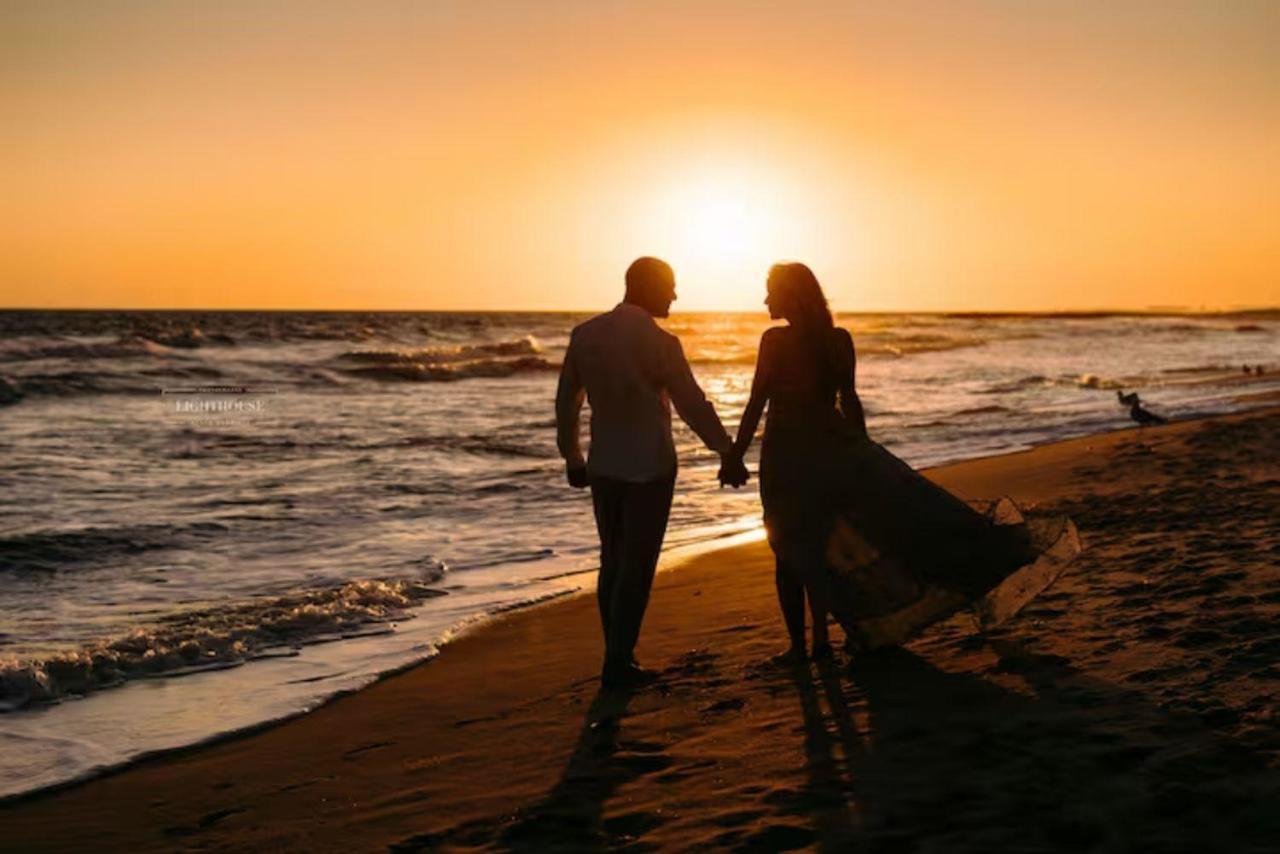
pixel 1127 399
pixel 1145 418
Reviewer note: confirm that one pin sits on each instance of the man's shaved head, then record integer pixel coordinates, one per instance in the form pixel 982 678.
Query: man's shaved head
pixel 651 284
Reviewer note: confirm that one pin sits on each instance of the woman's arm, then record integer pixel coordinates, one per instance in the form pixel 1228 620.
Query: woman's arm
pixel 850 405
pixel 759 396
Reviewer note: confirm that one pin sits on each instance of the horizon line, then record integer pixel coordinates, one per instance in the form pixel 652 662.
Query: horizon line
pixel 1155 309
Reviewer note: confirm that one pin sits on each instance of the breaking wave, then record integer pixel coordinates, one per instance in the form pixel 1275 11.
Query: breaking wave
pixel 215 638
pixel 1092 381
pixel 449 364
pixel 418 372
pixel 125 347
pixel 526 346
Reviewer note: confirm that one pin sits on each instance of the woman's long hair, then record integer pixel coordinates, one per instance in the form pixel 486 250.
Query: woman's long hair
pixel 812 318
pixel 801 287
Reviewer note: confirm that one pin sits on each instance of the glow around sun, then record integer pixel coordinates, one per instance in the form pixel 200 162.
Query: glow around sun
pixel 721 226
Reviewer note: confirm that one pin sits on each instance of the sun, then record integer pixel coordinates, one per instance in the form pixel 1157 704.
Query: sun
pixel 721 228
pixel 722 200
pixel 721 225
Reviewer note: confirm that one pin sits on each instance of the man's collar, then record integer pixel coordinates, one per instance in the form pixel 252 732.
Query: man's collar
pixel 625 306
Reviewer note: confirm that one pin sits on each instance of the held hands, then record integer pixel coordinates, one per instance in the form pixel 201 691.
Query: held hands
pixel 733 471
pixel 576 475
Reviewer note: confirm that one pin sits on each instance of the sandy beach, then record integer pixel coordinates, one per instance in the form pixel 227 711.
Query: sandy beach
pixel 1134 706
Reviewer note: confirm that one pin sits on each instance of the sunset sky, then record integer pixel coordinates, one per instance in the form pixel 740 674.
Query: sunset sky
pixel 993 155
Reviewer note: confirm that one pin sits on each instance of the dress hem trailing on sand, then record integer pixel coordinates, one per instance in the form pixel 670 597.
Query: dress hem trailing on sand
pixel 896 551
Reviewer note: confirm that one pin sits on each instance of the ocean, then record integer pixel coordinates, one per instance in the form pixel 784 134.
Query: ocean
pixel 213 520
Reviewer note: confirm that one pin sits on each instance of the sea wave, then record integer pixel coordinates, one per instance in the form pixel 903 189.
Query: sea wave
pixel 867 346
pixel 907 345
pixel 1020 384
pixel 75 383
pixel 216 638
pixel 738 358
pixel 1202 369
pixel 1088 381
pixel 480 368
pixel 470 444
pixel 449 364
pixel 1083 381
pixel 124 347
pixel 130 364
pixel 51 550
pixel 1091 381
pixel 526 346
pixel 197 444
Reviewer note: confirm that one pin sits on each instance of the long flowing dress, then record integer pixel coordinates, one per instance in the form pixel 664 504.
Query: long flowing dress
pixel 890 551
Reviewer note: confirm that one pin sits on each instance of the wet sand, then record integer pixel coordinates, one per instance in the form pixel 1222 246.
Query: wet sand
pixel 1134 706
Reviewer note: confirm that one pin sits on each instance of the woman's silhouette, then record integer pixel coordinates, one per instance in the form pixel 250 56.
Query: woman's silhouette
pixel 804 369
pixel 856 531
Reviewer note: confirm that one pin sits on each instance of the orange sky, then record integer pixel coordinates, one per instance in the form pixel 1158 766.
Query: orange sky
pixel 996 155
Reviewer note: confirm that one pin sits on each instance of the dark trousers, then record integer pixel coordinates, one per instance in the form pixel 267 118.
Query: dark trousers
pixel 631 519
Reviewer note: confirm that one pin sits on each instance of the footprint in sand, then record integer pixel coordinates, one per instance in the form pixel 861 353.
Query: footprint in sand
pixel 365 748
pixel 204 822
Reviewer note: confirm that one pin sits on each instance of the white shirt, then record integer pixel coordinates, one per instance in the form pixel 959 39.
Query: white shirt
pixel 631 371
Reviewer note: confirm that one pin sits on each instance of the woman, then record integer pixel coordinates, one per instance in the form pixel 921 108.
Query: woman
pixel 854 530
pixel 804 370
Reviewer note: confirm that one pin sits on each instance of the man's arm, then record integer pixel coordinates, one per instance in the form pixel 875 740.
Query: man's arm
pixel 691 403
pixel 569 396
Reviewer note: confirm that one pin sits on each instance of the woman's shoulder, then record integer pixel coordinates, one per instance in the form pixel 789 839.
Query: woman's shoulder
pixel 841 338
pixel 774 336
pixel 782 335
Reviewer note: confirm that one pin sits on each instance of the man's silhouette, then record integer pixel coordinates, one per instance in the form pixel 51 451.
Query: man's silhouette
pixel 631 372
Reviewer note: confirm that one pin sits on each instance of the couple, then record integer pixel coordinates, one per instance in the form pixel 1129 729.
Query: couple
pixel 847 521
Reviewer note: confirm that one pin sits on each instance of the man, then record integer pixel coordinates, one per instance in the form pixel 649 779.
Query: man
pixel 632 371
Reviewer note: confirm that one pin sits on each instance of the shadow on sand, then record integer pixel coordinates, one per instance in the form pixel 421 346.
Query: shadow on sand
pixel 901 756
pixel 570 816
pixel 908 757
